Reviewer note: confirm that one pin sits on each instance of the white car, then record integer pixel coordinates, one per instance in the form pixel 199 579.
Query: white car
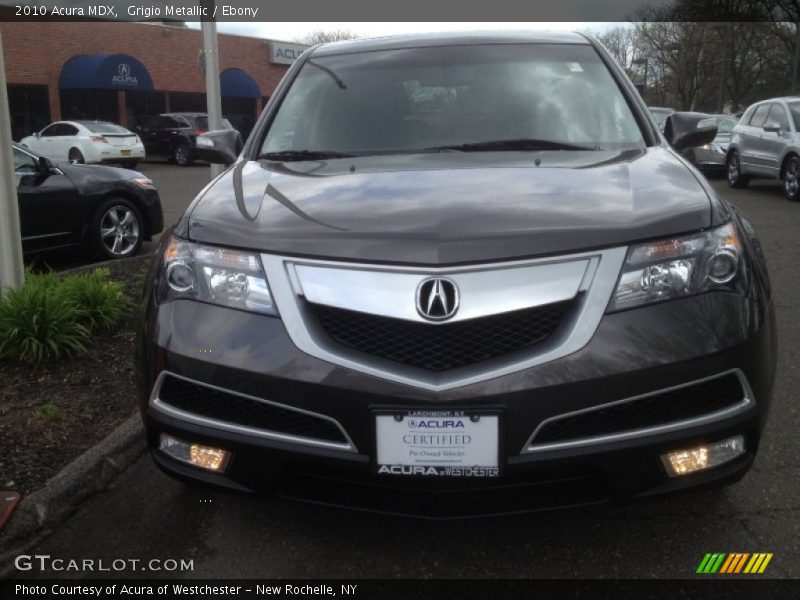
pixel 87 142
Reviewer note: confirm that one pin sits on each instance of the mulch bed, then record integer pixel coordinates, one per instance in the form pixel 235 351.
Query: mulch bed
pixel 92 394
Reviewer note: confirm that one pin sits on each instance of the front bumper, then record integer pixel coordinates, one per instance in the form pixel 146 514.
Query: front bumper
pixel 710 158
pixel 632 353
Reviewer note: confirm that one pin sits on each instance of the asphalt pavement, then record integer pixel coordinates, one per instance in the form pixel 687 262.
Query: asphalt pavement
pixel 148 515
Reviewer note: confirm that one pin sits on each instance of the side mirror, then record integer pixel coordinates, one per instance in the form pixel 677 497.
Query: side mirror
pixel 685 130
pixel 772 128
pixel 218 147
pixel 45 165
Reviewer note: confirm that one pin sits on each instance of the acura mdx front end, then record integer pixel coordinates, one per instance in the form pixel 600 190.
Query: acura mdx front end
pixel 455 275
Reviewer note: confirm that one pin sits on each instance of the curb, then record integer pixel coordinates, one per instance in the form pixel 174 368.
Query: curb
pixel 105 263
pixel 92 472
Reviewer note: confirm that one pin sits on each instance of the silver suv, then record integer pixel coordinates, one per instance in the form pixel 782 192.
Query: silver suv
pixel 766 143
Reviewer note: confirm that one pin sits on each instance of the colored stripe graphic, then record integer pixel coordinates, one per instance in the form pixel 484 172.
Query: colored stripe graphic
pixel 703 564
pixel 731 560
pixel 715 567
pixel 734 562
pixel 741 562
pixel 711 562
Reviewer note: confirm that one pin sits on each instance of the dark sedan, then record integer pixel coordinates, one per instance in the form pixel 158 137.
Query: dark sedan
pixel 432 284
pixel 107 210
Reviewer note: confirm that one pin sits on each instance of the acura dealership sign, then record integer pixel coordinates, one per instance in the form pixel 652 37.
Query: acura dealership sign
pixel 124 76
pixel 281 53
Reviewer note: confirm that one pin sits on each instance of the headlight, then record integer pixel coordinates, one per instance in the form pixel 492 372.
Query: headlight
pixel 215 275
pixel 679 267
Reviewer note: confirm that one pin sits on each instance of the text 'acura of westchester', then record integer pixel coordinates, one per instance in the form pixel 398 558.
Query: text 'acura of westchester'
pixel 453 275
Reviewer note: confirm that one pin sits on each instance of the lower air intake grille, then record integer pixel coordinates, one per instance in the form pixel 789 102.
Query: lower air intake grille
pixel 231 408
pixel 441 347
pixel 660 409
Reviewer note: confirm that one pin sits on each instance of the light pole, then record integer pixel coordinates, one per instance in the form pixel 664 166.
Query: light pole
pixel 723 28
pixel 645 62
pixel 213 92
pixel 11 266
pixel 678 71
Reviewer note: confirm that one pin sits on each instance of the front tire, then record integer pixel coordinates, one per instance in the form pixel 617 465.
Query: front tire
pixel 75 156
pixel 183 155
pixel 791 179
pixel 117 229
pixel 734 169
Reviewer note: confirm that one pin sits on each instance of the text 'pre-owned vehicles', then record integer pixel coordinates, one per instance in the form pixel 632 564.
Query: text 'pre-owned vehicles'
pixel 458 274
pixel 766 143
pixel 87 142
pixel 173 135
pixel 109 211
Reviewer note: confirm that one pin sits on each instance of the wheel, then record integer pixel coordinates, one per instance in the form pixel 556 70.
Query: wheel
pixel 182 155
pixel 76 157
pixel 116 230
pixel 733 167
pixel 130 164
pixel 791 179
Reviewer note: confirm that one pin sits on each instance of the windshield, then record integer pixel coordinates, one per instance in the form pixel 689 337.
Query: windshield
pixel 202 123
pixel 422 99
pixel 726 124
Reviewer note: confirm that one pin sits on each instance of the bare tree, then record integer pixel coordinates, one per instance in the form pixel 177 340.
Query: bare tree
pixel 321 37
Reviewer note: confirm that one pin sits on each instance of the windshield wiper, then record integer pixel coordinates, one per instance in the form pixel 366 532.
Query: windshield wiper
pixel 523 144
pixel 297 155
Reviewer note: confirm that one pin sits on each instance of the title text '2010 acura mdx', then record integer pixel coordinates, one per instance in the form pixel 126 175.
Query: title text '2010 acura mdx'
pixel 454 275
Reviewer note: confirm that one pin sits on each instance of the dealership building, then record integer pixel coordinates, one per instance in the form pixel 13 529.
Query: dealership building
pixel 128 72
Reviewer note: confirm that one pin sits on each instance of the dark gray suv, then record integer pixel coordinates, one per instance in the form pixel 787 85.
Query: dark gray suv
pixel 453 275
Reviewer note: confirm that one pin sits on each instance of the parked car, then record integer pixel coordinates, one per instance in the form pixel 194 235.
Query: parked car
pixel 107 210
pixel 173 135
pixel 87 142
pixel 660 114
pixel 712 156
pixel 431 284
pixel 766 143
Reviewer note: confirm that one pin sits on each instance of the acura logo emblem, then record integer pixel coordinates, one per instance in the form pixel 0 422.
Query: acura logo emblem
pixel 437 299
pixel 124 69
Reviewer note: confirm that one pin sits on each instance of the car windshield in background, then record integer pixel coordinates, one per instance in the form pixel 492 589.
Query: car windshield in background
pixel 726 125
pixel 202 123
pixel 459 98
pixel 794 108
pixel 102 127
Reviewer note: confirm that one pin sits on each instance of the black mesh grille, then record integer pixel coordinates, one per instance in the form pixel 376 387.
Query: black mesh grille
pixel 445 346
pixel 230 408
pixel 677 405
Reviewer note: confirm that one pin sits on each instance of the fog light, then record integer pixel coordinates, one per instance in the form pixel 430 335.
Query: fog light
pixel 683 462
pixel 205 457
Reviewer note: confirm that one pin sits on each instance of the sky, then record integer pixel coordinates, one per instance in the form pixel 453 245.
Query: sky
pixel 296 31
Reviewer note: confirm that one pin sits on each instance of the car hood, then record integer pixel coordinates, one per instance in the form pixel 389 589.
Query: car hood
pixel 451 207
pixel 78 172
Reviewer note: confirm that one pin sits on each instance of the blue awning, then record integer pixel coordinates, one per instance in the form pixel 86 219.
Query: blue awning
pixel 238 84
pixel 104 72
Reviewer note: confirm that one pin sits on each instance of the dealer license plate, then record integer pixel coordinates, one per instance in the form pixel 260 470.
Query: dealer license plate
pixel 438 443
pixel 125 152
